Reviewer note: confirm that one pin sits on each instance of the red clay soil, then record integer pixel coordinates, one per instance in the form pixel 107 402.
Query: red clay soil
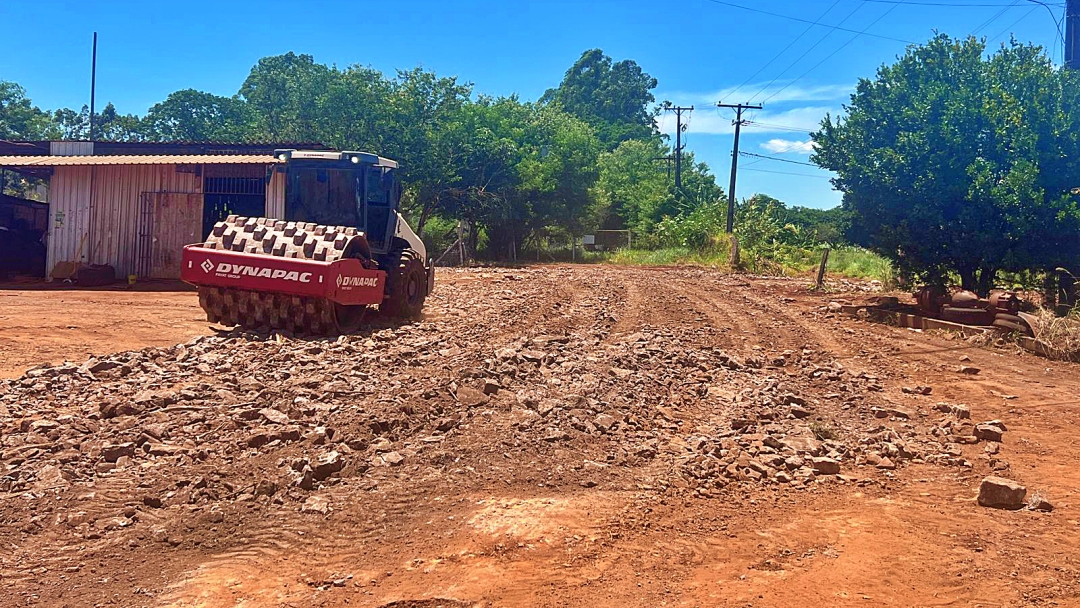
pixel 549 436
pixel 51 324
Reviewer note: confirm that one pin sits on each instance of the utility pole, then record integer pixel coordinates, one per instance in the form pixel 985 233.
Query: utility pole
pixel 678 145
pixel 738 122
pixel 1072 34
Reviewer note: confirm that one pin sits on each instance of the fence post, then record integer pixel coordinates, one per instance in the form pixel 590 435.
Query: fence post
pixel 821 269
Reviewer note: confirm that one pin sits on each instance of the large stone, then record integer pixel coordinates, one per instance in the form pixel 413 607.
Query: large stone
pixel 987 432
pixel 802 445
pixel 274 416
pixel 327 465
pixel 1001 493
pixel 604 422
pixel 470 397
pixel 113 451
pixel 825 466
pixel 317 505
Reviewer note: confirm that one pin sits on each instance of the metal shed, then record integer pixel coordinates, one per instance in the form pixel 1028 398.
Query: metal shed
pixel 135 212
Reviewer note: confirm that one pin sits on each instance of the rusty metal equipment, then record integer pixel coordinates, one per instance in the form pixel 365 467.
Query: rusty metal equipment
pixel 342 247
pixel 1002 309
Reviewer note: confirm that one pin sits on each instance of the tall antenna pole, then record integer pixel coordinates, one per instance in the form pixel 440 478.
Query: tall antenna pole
pixel 93 85
pixel 1072 34
pixel 738 122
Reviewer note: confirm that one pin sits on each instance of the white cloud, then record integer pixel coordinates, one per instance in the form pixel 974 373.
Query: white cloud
pixel 713 121
pixel 787 146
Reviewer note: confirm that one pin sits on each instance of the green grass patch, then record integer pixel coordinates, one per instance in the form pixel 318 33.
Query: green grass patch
pixel 672 256
pixel 852 262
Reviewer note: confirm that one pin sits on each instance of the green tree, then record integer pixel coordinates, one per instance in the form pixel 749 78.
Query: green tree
pixel 191 115
pixel 424 132
pixel 109 125
pixel 614 97
pixel 353 111
pixel 634 185
pixel 954 161
pixel 19 118
pixel 284 91
pixel 819 225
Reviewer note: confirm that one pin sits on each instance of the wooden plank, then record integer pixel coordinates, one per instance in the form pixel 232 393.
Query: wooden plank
pixel 177 222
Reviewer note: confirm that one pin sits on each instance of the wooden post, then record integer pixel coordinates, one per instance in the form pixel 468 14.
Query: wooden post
pixel 734 261
pixel 821 269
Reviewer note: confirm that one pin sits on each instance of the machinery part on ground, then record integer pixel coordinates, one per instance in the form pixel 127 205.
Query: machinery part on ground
pixel 963 298
pixel 967 316
pixel 268 238
pixel 1005 301
pixel 930 298
pixel 1012 323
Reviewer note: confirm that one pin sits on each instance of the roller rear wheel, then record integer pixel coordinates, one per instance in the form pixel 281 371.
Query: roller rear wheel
pixel 407 289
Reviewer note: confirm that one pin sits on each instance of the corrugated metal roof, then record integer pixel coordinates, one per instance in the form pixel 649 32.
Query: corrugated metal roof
pixel 129 159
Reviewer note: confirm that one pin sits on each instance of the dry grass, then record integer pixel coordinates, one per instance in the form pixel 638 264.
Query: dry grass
pixel 1060 335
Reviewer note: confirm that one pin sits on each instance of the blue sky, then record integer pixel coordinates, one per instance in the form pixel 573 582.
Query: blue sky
pixel 701 51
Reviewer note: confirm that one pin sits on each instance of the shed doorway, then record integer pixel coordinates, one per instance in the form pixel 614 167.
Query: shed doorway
pixel 232 190
pixel 167 222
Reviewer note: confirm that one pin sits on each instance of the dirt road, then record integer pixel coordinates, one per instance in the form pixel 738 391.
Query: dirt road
pixel 50 325
pixel 553 436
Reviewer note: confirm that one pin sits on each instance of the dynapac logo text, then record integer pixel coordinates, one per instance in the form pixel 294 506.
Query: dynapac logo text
pixel 241 270
pixel 343 281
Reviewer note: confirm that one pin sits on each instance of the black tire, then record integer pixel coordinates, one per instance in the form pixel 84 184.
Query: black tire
pixel 406 290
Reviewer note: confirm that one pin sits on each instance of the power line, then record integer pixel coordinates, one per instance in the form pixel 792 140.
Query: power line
pixel 788 173
pixel 994 18
pixel 949 4
pixel 786 48
pixel 771 126
pixel 782 160
pixel 833 27
pixel 1013 24
pixel 830 55
pixel 805 53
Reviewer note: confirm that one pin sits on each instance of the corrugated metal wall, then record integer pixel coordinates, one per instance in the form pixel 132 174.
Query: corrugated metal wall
pixel 115 208
pixel 110 229
pixel 69 215
pixel 71 148
pixel 275 196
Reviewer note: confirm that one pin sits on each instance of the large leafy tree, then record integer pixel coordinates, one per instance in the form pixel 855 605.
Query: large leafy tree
pixel 284 91
pixel 634 186
pixel 614 97
pixel 424 131
pixel 191 115
pixel 19 118
pixel 952 161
